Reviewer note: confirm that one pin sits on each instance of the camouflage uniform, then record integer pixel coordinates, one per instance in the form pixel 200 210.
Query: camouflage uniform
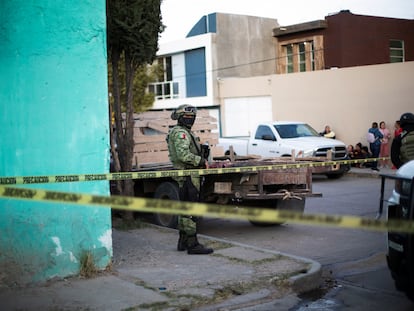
pixel 185 152
pixel 184 149
pixel 402 147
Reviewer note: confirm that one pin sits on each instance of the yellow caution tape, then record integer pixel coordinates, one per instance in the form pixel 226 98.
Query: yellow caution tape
pixel 206 210
pixel 12 180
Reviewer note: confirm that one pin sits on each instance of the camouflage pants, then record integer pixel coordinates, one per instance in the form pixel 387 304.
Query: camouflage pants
pixel 189 192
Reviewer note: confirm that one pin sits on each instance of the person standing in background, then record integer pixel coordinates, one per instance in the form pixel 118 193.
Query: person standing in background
pixel 375 146
pixel 384 149
pixel 397 131
pixel 328 133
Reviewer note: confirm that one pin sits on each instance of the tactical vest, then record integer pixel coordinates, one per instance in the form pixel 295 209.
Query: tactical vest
pixel 407 147
pixel 194 149
pixel 194 146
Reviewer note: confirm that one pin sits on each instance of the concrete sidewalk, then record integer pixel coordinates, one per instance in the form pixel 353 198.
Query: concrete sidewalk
pixel 148 273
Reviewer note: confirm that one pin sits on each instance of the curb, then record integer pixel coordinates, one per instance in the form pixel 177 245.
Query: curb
pixel 367 172
pixel 301 283
pixel 308 281
pixel 364 174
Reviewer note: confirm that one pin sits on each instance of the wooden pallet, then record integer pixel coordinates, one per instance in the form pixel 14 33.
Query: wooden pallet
pixel 151 129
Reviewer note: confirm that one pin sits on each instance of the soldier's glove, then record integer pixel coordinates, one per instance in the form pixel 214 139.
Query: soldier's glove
pixel 205 151
pixel 202 163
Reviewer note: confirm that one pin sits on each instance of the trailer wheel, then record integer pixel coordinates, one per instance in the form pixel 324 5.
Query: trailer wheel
pixel 166 191
pixel 334 176
pixel 290 205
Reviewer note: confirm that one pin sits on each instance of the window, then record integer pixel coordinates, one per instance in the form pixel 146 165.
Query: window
pixel 264 131
pixel 300 54
pixel 300 57
pixel 165 88
pixel 312 55
pixel 165 63
pixel 289 58
pixel 295 130
pixel 396 51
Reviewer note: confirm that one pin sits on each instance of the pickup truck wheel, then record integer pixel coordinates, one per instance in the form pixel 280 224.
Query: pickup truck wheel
pixel 290 205
pixel 344 168
pixel 166 191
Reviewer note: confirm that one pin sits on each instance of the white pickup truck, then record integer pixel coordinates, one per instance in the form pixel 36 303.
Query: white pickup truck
pixel 282 139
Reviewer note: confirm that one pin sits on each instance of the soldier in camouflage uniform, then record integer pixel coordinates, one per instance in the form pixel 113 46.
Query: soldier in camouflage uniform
pixel 402 147
pixel 185 152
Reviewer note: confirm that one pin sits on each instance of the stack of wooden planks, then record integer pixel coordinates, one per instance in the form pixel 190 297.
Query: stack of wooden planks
pixel 151 129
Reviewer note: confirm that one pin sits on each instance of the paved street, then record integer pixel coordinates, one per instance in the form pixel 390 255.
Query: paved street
pixel 354 266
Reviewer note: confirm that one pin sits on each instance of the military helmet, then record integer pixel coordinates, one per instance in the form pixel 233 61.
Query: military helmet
pixel 183 110
pixel 406 118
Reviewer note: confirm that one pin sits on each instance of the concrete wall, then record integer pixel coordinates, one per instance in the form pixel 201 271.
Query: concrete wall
pixel 348 99
pixel 244 46
pixel 54 117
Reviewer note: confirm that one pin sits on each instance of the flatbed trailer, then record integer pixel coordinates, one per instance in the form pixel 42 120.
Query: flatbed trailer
pixel 280 188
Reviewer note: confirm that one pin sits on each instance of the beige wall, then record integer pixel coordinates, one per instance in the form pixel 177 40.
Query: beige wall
pixel 348 99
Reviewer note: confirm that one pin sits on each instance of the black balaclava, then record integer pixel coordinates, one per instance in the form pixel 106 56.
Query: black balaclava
pixel 187 120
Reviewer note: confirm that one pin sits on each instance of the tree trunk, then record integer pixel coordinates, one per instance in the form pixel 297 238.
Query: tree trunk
pixel 130 122
pixel 116 136
pixel 123 129
pixel 129 128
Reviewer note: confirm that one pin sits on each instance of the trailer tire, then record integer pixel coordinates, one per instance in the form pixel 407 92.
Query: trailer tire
pixel 167 191
pixel 265 224
pixel 334 175
pixel 290 205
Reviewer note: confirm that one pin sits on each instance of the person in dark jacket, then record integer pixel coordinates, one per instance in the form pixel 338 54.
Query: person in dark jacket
pixel 402 147
pixel 375 146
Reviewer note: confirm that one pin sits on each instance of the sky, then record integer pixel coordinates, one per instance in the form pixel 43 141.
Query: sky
pixel 181 15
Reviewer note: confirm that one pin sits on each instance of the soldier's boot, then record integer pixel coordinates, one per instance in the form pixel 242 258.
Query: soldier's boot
pixel 195 248
pixel 182 241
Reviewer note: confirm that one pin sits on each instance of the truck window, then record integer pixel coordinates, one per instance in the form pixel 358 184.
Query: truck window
pixel 306 130
pixel 287 130
pixel 295 130
pixel 263 131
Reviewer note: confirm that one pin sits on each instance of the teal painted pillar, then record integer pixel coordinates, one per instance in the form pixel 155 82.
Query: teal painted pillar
pixel 54 120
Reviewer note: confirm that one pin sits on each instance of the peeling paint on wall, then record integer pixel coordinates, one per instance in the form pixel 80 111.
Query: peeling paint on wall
pixel 106 240
pixel 58 248
pixel 72 258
